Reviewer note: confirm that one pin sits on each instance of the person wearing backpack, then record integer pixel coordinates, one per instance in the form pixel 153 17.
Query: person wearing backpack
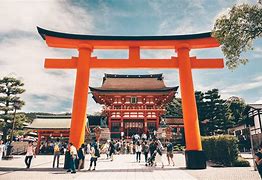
pixel 57 153
pixel 94 155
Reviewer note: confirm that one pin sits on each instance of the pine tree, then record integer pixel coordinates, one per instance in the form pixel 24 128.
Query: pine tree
pixel 174 108
pixel 237 110
pixel 10 89
pixel 201 110
pixel 216 112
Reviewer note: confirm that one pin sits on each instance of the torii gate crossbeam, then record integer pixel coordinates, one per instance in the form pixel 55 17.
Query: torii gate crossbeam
pixel 182 44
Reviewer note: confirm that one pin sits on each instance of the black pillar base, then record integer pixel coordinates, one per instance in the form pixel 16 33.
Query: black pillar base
pixel 195 159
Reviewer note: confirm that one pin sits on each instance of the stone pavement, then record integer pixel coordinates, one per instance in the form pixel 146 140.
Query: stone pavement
pixel 123 167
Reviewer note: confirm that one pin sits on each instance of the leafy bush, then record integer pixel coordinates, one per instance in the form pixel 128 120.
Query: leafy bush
pixel 241 162
pixel 179 147
pixel 221 149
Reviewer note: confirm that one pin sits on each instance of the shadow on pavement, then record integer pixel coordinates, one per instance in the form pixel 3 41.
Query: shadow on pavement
pixel 61 170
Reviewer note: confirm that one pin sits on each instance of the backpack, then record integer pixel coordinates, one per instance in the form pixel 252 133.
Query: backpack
pixel 97 153
pixel 169 147
pixel 56 148
pixel 146 149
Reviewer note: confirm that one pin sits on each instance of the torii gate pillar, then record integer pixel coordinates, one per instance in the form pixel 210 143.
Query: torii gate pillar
pixel 195 157
pixel 78 124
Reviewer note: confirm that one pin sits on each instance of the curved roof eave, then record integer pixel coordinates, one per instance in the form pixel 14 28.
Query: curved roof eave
pixel 126 90
pixel 44 33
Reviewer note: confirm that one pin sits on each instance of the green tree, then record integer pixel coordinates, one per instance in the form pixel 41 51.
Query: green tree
pixel 237 110
pixel 202 111
pixel 10 89
pixel 174 108
pixel 216 109
pixel 236 31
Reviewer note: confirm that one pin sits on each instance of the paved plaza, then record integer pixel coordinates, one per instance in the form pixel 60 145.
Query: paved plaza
pixel 123 167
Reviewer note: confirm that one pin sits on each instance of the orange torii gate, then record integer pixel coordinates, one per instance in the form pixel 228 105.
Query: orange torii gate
pixel 182 44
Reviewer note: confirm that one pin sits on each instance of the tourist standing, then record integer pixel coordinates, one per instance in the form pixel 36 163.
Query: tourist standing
pixel 30 152
pixel 2 149
pixel 88 148
pixel 73 157
pixel 81 156
pixel 105 149
pixel 152 148
pixel 169 154
pixel 146 151
pixel 144 136
pixel 57 152
pixel 94 155
pixel 159 155
pixel 138 151
pixel 111 150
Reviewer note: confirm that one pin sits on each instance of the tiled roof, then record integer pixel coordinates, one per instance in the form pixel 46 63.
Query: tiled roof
pixel 50 123
pixel 116 82
pixel 255 106
pixel 58 122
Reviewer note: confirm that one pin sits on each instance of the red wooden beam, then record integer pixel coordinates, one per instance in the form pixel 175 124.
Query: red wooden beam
pixel 134 63
pixel 61 63
pixel 206 63
pixel 130 63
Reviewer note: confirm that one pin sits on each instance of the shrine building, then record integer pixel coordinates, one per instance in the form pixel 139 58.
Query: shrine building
pixel 133 104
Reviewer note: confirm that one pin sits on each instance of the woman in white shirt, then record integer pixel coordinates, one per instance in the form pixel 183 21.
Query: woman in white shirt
pixel 30 152
pixel 138 148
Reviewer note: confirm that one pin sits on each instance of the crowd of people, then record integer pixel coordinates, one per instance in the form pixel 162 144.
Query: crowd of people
pixel 151 149
pixel 148 151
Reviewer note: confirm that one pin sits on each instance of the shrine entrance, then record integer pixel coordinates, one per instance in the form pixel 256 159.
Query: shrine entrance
pixel 133 127
pixel 181 44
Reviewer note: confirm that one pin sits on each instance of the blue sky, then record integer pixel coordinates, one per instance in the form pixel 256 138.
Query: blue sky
pixel 23 51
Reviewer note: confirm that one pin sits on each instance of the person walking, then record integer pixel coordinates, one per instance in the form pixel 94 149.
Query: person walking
pixel 138 148
pixel 111 150
pixel 73 157
pixel 57 153
pixel 159 154
pixel 94 155
pixel 30 152
pixel 152 147
pixel 2 149
pixel 81 156
pixel 169 154
pixel 105 149
pixel 146 151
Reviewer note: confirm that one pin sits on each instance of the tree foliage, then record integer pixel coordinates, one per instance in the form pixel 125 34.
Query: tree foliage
pixel 215 114
pixel 174 108
pixel 236 31
pixel 10 89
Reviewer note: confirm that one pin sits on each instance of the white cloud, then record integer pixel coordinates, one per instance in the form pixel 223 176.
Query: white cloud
pixel 23 51
pixel 258 101
pixel 25 15
pixel 252 84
